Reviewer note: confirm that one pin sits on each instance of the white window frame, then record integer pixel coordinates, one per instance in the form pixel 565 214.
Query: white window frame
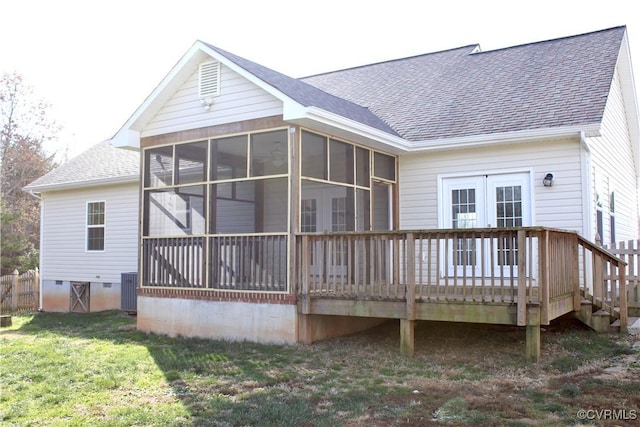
pixel 89 226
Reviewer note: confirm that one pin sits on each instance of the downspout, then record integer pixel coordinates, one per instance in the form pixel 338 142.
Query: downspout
pixel 587 188
pixel 40 298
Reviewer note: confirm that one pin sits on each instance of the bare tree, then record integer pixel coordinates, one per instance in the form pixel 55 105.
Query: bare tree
pixel 24 129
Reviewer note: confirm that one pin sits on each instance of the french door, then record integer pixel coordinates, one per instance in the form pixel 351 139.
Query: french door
pixel 501 201
pixel 325 210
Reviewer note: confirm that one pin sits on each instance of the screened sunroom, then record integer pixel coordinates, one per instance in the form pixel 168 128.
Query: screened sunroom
pixel 221 213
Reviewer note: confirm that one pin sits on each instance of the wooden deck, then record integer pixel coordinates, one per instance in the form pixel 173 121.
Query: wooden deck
pixel 525 277
pixel 520 276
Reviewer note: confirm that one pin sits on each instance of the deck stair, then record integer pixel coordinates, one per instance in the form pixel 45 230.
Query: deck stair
pixel 600 316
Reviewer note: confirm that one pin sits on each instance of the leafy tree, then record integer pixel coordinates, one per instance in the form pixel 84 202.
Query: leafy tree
pixel 24 129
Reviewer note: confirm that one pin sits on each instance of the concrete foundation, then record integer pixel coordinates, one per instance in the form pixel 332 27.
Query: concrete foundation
pixel 56 296
pixel 228 320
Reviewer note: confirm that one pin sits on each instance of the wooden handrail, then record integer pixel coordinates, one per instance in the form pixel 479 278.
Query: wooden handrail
pixel 507 265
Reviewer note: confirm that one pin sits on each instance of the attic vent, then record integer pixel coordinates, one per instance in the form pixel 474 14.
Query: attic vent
pixel 209 80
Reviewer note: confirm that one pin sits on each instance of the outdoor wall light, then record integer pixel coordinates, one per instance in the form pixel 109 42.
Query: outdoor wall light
pixel 547 181
pixel 207 103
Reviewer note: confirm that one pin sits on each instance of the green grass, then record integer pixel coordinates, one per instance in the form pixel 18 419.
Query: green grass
pixel 98 370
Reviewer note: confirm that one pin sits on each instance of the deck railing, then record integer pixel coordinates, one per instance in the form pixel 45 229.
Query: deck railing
pixel 519 266
pixel 254 263
pixel 604 280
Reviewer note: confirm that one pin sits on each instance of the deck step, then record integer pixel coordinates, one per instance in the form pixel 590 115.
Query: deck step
pixel 634 325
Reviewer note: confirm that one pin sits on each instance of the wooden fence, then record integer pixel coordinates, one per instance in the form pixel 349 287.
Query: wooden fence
pixel 20 292
pixel 630 252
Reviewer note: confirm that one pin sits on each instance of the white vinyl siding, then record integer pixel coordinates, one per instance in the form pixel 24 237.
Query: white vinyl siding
pixel 614 169
pixel 559 206
pixel 64 234
pixel 239 100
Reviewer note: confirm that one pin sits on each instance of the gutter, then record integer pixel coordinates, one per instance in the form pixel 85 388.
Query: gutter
pixel 82 184
pixel 401 146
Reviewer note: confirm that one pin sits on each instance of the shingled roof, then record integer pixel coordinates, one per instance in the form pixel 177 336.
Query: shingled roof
pixel 100 164
pixel 463 92
pixel 306 94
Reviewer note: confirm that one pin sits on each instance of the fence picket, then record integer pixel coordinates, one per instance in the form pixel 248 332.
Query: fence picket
pixel 20 292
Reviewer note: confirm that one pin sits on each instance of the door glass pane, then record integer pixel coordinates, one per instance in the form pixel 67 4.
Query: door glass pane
pixel 339 214
pixel 463 208
pixel 509 206
pixel 308 214
pixel 508 214
pixel 463 214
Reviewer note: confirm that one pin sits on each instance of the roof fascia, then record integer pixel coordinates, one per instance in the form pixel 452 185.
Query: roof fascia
pixel 128 135
pixel 527 135
pixel 246 74
pixel 294 112
pixel 81 184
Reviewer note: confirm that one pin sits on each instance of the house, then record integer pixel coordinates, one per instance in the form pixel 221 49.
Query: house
pixel 89 229
pixel 459 185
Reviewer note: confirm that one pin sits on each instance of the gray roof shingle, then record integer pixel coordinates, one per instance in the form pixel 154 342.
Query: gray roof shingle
pixel 98 164
pixel 457 93
pixel 306 94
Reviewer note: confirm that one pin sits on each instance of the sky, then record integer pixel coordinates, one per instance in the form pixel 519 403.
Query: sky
pixel 96 61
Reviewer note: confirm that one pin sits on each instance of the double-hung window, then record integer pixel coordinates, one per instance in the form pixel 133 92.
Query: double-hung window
pixel 95 226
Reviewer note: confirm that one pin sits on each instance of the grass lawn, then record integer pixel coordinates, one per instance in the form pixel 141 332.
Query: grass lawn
pixel 96 369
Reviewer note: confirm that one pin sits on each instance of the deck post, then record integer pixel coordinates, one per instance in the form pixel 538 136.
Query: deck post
pixel 306 298
pixel 407 336
pixel 533 332
pixel 411 277
pixel 522 278
pixel 305 329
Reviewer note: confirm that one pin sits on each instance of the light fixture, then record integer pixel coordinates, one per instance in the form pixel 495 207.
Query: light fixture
pixel 547 181
pixel 207 103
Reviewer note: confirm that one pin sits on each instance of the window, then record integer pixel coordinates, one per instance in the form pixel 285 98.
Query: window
pixel 612 219
pixel 599 220
pixel 95 226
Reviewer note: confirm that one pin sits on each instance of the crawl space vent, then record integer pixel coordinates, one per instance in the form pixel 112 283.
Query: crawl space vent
pixel 209 80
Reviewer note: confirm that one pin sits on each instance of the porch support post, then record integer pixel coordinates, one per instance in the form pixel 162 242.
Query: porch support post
pixel 407 336
pixel 533 332
pixel 407 326
pixel 306 298
pixel 305 329
pixel 522 278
